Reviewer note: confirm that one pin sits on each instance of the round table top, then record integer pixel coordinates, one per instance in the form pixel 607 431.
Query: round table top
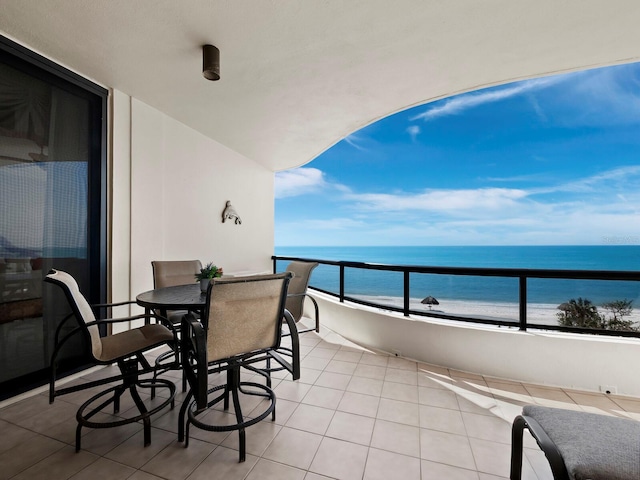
pixel 180 297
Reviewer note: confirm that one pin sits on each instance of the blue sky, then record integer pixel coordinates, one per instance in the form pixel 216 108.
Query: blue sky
pixel 549 161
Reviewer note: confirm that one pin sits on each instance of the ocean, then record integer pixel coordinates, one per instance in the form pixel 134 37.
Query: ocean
pixel 494 297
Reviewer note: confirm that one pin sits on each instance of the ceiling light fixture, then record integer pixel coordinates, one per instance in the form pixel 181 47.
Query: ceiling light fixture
pixel 210 62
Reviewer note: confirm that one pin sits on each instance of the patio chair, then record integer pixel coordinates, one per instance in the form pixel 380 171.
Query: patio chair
pixel 126 349
pixel 579 445
pixel 296 296
pixel 170 273
pixel 241 325
pixel 298 293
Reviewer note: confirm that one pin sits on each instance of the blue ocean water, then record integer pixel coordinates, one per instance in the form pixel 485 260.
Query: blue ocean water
pixel 454 287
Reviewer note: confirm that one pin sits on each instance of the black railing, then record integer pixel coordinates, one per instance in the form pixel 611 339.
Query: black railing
pixel 521 274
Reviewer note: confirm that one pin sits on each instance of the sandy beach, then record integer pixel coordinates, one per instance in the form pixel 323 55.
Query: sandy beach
pixel 539 313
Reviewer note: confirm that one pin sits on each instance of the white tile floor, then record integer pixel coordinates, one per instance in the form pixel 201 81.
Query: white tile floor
pixel 354 414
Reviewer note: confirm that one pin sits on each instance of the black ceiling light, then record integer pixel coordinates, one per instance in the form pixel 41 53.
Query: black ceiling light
pixel 210 62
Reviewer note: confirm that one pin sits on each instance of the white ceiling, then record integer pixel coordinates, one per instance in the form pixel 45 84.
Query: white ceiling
pixel 299 75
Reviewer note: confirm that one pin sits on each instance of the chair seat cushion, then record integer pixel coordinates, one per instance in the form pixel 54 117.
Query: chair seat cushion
pixel 131 341
pixel 592 446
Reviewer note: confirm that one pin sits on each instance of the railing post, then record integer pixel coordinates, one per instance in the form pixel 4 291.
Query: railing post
pixel 523 303
pixel 341 283
pixel 406 293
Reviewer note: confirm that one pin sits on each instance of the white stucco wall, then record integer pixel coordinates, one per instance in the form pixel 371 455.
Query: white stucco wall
pixel 583 362
pixel 170 185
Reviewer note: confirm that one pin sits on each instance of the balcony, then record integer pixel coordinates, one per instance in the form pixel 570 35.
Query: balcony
pixel 354 414
pixel 507 346
pixel 157 149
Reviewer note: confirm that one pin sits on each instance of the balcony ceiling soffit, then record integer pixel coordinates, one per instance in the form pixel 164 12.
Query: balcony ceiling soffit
pixel 297 76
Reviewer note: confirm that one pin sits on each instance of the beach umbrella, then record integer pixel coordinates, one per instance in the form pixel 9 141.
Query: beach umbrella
pixel 430 301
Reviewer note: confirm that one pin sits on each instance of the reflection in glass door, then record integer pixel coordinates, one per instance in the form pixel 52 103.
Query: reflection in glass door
pixel 52 152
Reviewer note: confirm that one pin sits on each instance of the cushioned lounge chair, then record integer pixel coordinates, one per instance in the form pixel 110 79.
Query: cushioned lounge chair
pixel 579 445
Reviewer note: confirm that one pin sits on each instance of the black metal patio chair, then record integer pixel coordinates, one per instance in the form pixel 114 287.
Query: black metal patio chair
pixel 170 273
pixel 126 349
pixel 241 326
pixel 298 294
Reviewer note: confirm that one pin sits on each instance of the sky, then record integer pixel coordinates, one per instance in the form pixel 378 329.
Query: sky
pixel 548 161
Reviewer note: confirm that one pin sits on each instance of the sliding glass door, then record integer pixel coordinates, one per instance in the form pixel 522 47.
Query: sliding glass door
pixel 52 208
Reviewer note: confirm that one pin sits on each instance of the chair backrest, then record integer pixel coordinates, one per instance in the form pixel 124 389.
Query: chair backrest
pixel 169 273
pixel 298 286
pixel 244 314
pixel 81 308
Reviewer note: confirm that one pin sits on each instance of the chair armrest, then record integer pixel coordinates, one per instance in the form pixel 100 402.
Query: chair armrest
pixel 141 316
pixel 302 294
pixel 315 307
pixel 295 344
pixel 116 304
pixel 316 312
pixel 547 446
pixel 313 300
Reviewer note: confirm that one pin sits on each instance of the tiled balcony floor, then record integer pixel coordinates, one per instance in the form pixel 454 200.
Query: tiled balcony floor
pixel 353 415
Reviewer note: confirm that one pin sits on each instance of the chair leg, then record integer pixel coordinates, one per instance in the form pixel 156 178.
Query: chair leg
pixel 146 421
pixel 233 387
pixel 517 432
pixel 227 389
pixel 240 419
pixel 243 448
pixel 184 381
pixel 183 413
pixel 78 436
pixel 52 381
pixel 268 372
pixel 233 378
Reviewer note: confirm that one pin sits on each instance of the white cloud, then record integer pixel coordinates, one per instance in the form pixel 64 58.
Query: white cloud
pixel 561 214
pixel 300 181
pixel 303 181
pixel 458 104
pixel 440 200
pixel 413 131
pixel 600 97
pixel 607 180
pixel 355 141
pixel 331 224
pixel 524 223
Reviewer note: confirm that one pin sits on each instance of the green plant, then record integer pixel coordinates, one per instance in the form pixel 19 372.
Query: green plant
pixel 617 310
pixel 208 272
pixel 582 313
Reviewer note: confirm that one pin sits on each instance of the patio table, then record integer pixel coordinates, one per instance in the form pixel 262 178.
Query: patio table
pixel 180 297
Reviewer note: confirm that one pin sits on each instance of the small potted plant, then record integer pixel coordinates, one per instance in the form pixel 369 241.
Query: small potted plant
pixel 206 273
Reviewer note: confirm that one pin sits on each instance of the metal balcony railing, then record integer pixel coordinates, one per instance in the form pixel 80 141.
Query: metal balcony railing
pixel 521 275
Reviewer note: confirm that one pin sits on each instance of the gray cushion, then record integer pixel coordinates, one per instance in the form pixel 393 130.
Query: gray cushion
pixel 594 447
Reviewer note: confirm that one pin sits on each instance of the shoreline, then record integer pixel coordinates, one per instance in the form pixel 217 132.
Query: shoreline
pixel 539 313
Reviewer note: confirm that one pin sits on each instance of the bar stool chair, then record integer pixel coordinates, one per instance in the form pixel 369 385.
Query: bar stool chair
pixel 126 349
pixel 242 325
pixel 170 273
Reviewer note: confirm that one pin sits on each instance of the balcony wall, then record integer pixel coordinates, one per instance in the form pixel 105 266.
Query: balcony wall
pixel 556 359
pixel 170 184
